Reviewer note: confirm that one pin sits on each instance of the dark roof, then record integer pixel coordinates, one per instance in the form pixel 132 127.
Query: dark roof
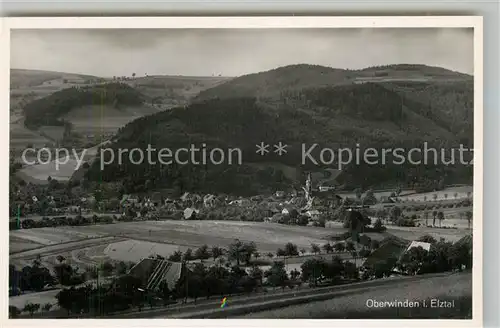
pixel 146 269
pixel 390 247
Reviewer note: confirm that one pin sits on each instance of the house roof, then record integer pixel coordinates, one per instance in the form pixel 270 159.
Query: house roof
pixel 426 246
pixel 391 247
pixel 144 270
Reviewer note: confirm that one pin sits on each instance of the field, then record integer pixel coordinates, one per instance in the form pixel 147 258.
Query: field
pixel 21 137
pixel 138 240
pixel 104 119
pixel 445 194
pixel 377 194
pixel 39 173
pixel 54 133
pixel 171 91
pixel 457 287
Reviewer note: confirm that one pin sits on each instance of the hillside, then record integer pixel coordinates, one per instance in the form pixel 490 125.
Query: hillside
pixel 23 78
pixel 269 84
pixel 170 91
pixel 334 116
pixel 433 93
pixel 50 109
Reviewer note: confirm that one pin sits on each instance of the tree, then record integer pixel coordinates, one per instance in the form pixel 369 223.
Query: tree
pixel 468 215
pixel 121 268
pixel 217 252
pixel 328 248
pixel 434 214
pixel 133 75
pixel 291 250
pixel 455 195
pixel 339 247
pixel 31 308
pixel 354 255
pixel 302 220
pixel 176 256
pixel 413 260
pixel 434 196
pixel 280 252
pixel 107 268
pixel 440 217
pixel 313 270
pixel 236 250
pixel 294 274
pixel 315 249
pixel 445 196
pixel 427 239
pixel 47 306
pixel 365 241
pixel 14 312
pixel 378 226
pixel 302 251
pixel 276 275
pixel 349 246
pixel 60 258
pixel 202 253
pixel 351 271
pixel 188 255
pixel 256 274
pixel 270 255
pixel 369 198
pixel 358 193
pixel 249 249
pixel 65 299
pixel 426 217
pixel 395 213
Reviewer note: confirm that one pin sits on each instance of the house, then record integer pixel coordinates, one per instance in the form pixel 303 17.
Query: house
pixel 426 246
pixel 279 194
pixel 313 215
pixel 129 200
pixel 209 201
pixel 152 272
pixel 156 199
pixel 190 213
pixel 240 202
pixel 289 210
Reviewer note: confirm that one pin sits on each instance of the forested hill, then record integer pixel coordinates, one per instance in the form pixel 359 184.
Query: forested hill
pixel 48 110
pixel 334 116
pixel 444 96
pixel 270 83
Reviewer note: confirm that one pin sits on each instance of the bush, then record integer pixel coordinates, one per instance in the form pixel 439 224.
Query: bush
pixel 405 222
pixel 364 253
pixel 378 226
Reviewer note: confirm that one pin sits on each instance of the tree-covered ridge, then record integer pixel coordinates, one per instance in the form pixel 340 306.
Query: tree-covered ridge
pixel 301 76
pixel 342 116
pixel 48 110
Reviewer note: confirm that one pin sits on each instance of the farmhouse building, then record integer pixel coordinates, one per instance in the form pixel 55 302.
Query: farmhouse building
pixel 153 272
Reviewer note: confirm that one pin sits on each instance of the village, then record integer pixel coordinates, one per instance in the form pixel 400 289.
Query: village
pixel 109 238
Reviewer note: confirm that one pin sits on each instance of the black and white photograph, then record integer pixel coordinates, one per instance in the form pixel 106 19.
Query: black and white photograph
pixel 223 172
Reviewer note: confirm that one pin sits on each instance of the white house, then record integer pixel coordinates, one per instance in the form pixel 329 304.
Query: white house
pixel 313 214
pixel 190 212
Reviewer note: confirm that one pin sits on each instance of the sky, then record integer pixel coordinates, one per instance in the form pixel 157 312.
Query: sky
pixel 233 52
